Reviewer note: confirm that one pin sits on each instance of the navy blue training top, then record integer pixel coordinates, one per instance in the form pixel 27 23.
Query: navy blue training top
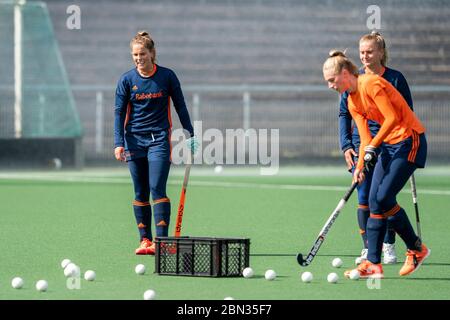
pixel 348 133
pixel 143 103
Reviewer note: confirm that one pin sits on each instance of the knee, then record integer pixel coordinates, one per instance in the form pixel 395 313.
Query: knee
pixel 158 192
pixel 385 200
pixel 141 194
pixel 374 206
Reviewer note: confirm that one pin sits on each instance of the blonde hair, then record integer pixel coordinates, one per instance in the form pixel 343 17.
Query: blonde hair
pixel 143 38
pixel 381 44
pixel 337 61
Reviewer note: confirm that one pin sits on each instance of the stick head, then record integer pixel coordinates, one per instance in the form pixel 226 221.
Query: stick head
pixel 300 260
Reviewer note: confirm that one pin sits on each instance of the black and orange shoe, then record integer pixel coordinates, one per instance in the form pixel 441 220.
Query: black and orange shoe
pixel 367 269
pixel 146 247
pixel 414 259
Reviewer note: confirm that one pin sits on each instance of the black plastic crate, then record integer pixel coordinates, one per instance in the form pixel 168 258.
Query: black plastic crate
pixel 201 256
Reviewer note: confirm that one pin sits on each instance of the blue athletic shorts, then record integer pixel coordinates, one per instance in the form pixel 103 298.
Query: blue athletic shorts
pixel 414 149
pixel 155 146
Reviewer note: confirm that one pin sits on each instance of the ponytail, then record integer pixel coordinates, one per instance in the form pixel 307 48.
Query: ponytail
pixel 337 61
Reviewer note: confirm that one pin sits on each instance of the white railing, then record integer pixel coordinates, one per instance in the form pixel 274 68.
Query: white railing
pixel 308 123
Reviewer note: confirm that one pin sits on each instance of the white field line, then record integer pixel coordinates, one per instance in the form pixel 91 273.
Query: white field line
pixel 217 184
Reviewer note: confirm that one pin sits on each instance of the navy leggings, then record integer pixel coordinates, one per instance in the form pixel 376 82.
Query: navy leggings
pixel 149 177
pixel 393 169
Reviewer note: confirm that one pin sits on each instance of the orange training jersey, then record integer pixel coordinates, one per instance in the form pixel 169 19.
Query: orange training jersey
pixel 376 99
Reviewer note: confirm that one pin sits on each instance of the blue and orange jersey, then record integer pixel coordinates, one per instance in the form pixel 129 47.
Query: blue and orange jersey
pixel 377 100
pixel 142 104
pixel 348 133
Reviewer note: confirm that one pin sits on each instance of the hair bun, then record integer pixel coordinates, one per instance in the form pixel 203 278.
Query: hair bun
pixel 375 33
pixel 143 34
pixel 336 53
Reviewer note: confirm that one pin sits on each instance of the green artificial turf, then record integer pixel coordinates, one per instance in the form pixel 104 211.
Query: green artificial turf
pixel 87 217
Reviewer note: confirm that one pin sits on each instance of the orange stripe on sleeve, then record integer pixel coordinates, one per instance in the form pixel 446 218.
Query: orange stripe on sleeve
pixel 127 116
pixel 169 115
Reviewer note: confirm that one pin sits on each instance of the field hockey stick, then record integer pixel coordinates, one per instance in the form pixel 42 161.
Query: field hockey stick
pixel 323 233
pixel 412 180
pixel 183 196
